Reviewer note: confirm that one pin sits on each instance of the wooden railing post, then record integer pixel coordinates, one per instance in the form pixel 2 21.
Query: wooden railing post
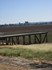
pixel 23 39
pixel 17 39
pixel 6 41
pixel 13 42
pixel 34 38
pixel 29 39
pixel 46 37
pixel 40 38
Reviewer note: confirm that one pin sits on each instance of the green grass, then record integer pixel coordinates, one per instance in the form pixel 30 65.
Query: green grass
pixel 26 53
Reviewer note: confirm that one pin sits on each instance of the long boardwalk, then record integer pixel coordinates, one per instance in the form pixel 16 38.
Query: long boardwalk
pixel 38 37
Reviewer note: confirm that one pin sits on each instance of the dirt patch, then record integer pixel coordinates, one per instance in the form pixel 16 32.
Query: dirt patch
pixel 24 29
pixel 13 63
pixel 17 63
pixel 11 67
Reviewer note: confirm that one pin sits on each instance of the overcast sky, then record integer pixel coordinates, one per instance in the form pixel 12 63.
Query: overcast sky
pixel 15 11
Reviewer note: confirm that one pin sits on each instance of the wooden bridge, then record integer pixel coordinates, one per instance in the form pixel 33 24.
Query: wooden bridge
pixel 38 37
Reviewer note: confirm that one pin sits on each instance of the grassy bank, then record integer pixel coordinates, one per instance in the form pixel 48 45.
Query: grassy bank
pixel 40 51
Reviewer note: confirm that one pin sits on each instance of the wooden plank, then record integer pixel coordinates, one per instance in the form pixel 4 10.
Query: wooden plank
pixel 26 34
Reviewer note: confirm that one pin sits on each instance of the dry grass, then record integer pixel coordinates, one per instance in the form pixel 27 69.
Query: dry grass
pixel 40 47
pixel 40 51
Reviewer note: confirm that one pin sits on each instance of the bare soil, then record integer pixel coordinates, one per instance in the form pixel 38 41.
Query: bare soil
pixel 17 63
pixel 22 29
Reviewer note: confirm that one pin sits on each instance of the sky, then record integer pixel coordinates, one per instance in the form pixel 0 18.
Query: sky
pixel 15 11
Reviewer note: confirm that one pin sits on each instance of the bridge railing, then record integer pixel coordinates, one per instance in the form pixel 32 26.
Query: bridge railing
pixel 39 37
